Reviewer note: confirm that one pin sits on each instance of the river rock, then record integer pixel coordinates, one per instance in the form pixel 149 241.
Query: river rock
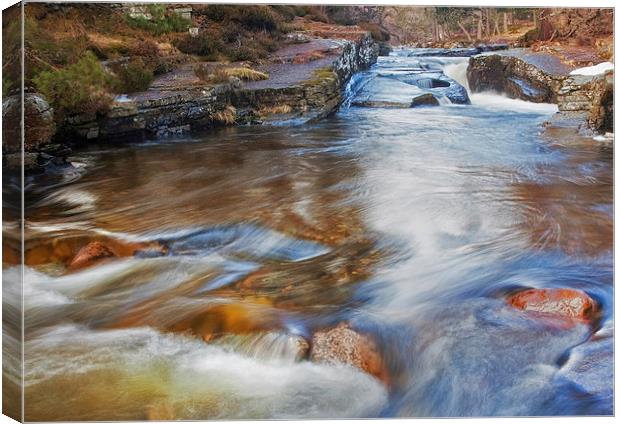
pixel 91 254
pixel 590 94
pixel 212 322
pixel 343 345
pixel 381 104
pixel 514 77
pixel 566 304
pixel 39 122
pixel 440 85
pixel 426 99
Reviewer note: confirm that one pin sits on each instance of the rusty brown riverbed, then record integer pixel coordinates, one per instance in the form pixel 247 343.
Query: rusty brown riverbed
pixel 410 224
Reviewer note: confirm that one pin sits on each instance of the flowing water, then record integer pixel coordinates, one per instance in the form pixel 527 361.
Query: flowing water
pixel 412 224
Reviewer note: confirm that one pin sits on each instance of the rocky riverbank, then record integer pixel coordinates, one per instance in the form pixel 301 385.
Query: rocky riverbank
pixel 305 83
pixel 584 97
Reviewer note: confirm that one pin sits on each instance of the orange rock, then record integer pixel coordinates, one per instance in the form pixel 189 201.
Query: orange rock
pixel 95 251
pixel 566 304
pixel 231 318
pixel 343 345
pixel 160 411
pixel 91 254
pixel 9 255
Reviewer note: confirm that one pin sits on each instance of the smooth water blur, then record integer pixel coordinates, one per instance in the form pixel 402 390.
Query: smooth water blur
pixel 411 223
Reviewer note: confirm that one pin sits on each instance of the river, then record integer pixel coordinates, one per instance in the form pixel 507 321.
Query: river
pixel 410 223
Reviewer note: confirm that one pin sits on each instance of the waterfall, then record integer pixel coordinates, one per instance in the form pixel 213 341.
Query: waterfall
pixel 458 72
pixel 355 84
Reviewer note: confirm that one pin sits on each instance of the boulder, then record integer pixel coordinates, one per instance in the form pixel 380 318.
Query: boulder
pixel 426 99
pixel 343 345
pixel 440 85
pixel 39 122
pixel 514 77
pixel 90 255
pixel 564 304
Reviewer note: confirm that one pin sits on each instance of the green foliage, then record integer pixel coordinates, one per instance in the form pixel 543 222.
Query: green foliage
pixel 134 76
pixel 11 51
pixel 232 42
pixel 317 13
pixel 321 75
pixel 218 12
pixel 260 18
pixel 148 51
pixel 82 87
pixel 208 44
pixel 162 21
pixel 7 85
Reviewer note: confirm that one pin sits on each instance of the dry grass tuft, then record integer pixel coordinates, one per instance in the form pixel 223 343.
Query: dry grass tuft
pixel 219 74
pixel 226 116
pixel 274 110
pixel 247 74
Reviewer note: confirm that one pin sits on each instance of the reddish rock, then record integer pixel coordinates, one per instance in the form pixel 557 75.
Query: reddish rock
pixel 343 345
pixel 91 254
pixel 566 304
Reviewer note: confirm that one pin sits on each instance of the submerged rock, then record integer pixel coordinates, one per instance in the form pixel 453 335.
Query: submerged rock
pixel 439 85
pixel 380 104
pixel 565 304
pixel 91 254
pixel 213 322
pixel 96 251
pixel 343 345
pixel 426 99
pixel 268 345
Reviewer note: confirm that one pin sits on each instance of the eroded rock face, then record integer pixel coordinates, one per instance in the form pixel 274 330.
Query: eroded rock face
pixel 564 304
pixel 343 345
pixel 513 77
pixel 39 122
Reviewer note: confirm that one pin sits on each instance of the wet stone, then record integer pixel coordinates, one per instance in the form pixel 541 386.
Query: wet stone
pixel 343 345
pixel 566 304
pixel 91 254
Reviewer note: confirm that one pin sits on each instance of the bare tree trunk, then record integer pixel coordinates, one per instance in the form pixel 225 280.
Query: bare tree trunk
pixel 505 23
pixel 464 31
pixel 488 22
pixel 496 30
pixel 479 32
